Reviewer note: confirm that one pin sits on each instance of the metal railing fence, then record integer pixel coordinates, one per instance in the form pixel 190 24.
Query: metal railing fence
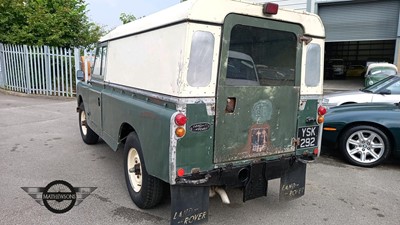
pixel 39 69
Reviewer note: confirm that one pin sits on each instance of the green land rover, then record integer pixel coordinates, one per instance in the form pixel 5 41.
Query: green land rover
pixel 208 95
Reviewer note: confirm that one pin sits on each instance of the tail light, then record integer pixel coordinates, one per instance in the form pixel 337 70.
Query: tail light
pixel 316 151
pixel 321 110
pixel 180 172
pixel 180 121
pixel 321 119
pixel 180 132
pixel 321 113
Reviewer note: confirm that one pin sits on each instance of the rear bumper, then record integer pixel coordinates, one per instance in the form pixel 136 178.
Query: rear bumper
pixel 190 194
pixel 239 176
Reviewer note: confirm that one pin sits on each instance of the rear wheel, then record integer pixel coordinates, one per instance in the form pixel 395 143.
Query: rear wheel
pixel 88 135
pixel 145 190
pixel 365 146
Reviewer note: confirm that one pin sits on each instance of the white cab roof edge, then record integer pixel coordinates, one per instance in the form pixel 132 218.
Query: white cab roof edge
pixel 215 11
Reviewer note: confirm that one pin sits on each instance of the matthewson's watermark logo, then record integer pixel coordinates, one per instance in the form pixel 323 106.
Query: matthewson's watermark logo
pixel 59 196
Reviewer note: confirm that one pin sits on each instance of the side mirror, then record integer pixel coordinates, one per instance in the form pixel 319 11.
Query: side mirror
pixel 80 75
pixel 385 92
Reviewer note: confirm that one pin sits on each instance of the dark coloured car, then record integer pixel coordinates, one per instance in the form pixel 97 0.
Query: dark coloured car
pixel 366 134
pixel 335 68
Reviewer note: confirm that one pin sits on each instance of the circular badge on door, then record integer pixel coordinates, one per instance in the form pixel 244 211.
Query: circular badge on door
pixel 262 111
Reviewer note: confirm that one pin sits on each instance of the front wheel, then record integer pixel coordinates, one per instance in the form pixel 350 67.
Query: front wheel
pixel 88 135
pixel 365 146
pixel 145 190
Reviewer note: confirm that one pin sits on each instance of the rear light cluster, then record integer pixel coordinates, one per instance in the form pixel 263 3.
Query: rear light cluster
pixel 316 151
pixel 180 172
pixel 180 121
pixel 321 113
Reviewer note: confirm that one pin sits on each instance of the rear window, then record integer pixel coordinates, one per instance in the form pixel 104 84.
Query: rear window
pixel 272 52
pixel 241 69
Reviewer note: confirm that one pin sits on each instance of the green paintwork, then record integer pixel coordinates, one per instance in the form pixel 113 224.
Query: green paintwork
pixel 150 121
pixel 384 116
pixel 309 111
pixel 94 108
pixel 233 130
pixel 195 149
pixel 268 109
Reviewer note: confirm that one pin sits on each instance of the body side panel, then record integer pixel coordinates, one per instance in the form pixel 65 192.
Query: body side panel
pixel 150 121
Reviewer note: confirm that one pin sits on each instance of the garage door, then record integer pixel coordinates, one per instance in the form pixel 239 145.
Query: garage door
pixel 372 20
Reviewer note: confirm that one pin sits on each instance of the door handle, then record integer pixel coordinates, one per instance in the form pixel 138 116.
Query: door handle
pixel 98 101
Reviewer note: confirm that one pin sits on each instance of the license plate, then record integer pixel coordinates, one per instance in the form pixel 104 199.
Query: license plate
pixel 308 137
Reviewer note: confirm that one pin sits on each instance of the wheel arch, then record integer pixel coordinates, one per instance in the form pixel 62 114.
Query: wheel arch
pixel 384 129
pixel 124 130
pixel 347 103
pixel 80 100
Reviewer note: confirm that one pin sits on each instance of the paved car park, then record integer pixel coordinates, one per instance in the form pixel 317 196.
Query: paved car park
pixel 40 142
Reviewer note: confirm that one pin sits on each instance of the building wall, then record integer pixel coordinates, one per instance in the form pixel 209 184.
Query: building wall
pixel 312 6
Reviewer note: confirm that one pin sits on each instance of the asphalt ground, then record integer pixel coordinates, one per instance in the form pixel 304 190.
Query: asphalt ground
pixel 40 142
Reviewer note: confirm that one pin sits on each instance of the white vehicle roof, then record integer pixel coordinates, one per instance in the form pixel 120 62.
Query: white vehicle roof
pixel 214 11
pixel 374 65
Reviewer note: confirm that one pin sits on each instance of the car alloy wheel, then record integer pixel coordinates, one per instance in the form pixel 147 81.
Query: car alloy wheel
pixel 365 146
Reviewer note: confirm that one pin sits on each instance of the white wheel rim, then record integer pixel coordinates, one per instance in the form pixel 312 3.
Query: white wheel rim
pixel 83 123
pixel 365 146
pixel 135 179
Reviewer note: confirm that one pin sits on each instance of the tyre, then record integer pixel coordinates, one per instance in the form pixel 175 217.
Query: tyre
pixel 365 146
pixel 145 190
pixel 88 135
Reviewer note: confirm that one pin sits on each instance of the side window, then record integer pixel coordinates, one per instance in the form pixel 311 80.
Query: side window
pixel 261 56
pixel 99 68
pixel 201 59
pixel 312 65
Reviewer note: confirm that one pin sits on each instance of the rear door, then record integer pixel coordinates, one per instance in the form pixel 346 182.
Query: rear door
pixel 257 117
